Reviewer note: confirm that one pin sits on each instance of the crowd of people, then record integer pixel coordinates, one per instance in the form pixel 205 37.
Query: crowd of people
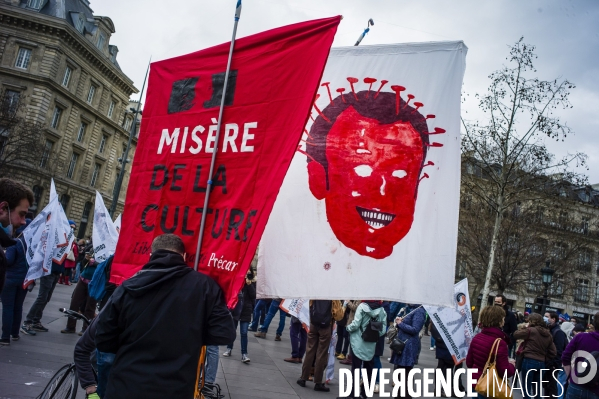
pixel 148 333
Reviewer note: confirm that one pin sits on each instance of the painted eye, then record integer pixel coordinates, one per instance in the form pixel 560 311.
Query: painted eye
pixel 399 174
pixel 363 170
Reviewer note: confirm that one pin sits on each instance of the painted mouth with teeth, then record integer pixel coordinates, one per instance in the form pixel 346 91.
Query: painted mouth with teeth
pixel 375 219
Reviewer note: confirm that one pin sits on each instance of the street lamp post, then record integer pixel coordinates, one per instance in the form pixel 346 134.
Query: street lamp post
pixel 547 275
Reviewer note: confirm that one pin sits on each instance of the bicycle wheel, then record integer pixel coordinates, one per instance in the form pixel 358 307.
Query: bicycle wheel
pixel 62 385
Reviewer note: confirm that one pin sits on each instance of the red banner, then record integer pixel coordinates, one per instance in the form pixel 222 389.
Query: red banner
pixel 273 81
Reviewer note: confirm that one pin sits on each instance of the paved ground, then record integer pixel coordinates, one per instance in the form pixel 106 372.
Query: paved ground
pixel 27 365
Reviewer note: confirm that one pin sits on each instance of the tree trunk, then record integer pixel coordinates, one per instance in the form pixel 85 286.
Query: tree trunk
pixel 494 237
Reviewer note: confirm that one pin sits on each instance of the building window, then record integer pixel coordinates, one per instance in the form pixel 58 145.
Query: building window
pixel 23 58
pixel 111 109
pixel 584 260
pixel 101 41
pixel 72 165
pixel 81 133
pixel 64 201
pixel 127 123
pixel 581 294
pixel 46 155
pixel 102 144
pixel 3 140
pixel 35 4
pixel 78 23
pixel 11 101
pixel 84 219
pixel 91 93
pixel 597 293
pixel 534 283
pixel 585 225
pixel 95 174
pixel 56 117
pixel 37 196
pixel 557 286
pixel 67 77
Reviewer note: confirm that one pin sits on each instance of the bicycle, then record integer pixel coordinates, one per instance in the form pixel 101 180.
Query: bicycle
pixel 63 384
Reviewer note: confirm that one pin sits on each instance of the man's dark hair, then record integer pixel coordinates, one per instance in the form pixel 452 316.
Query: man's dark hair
pixel 381 106
pixel 554 316
pixel 14 192
pixel 503 298
pixel 169 242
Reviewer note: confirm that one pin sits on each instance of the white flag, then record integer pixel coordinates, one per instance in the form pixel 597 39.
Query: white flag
pixel 369 206
pixel 104 235
pixel 46 241
pixel 455 323
pixel 298 308
pixel 117 223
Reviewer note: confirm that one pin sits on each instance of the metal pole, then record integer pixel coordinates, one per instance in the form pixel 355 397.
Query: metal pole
pixel 218 125
pixel 119 182
pixel 545 295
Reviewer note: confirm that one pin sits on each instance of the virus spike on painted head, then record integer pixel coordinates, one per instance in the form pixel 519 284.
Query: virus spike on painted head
pixel 340 91
pixel 318 109
pixel 430 116
pixel 434 144
pixel 369 81
pixel 326 84
pixel 397 90
pixel 417 105
pixel 424 176
pixel 351 83
pixel 429 163
pixel 410 98
pixel 438 130
pixel 383 82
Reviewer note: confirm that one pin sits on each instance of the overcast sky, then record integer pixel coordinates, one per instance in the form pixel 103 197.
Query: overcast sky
pixel 565 32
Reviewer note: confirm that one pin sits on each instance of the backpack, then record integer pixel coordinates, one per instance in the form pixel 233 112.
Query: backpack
pixel 321 313
pixel 373 330
pixel 97 284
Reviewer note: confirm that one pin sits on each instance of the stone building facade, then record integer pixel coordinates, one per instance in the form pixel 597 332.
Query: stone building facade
pixel 57 57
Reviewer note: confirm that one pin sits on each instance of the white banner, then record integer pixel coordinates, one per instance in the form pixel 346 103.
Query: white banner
pixel 104 234
pixel 455 323
pixel 47 240
pixel 298 308
pixel 369 206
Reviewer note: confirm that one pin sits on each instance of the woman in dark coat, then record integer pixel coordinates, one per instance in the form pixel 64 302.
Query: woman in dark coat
pixel 408 330
pixel 243 316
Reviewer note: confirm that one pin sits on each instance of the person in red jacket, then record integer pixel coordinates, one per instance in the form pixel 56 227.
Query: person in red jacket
pixel 491 321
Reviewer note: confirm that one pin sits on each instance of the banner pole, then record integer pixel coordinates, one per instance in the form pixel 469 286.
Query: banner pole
pixel 119 182
pixel 220 118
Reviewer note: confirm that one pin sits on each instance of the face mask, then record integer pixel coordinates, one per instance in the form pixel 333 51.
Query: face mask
pixel 8 229
pixel 546 319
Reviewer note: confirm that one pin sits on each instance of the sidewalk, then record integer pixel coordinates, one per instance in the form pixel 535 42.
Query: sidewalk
pixel 27 365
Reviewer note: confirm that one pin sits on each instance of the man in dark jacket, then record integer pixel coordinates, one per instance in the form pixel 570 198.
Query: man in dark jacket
pixel 15 200
pixel 156 323
pixel 560 341
pixel 511 324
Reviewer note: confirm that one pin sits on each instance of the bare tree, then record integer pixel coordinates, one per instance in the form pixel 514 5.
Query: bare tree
pixel 509 152
pixel 21 141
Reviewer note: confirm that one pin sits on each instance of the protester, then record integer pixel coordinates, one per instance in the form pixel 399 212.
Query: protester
pixel 248 303
pixel 319 338
pixel 567 327
pixel 157 321
pixel 14 294
pixel 560 340
pixel 588 342
pixel 362 351
pixel 15 200
pixel 537 347
pixel 70 262
pixel 81 301
pixel 272 312
pixel 342 336
pixel 36 312
pixel 260 311
pixel 444 358
pixel 491 320
pixel 579 328
pixel 511 324
pixel 298 337
pixel 408 330
pixel 83 364
pixel 352 306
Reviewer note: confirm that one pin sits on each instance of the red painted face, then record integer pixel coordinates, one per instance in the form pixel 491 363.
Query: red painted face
pixel 373 174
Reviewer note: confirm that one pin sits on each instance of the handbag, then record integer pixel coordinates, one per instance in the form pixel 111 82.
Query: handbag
pixel 520 352
pixel 71 256
pixel 488 384
pixel 397 345
pixel 391 333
